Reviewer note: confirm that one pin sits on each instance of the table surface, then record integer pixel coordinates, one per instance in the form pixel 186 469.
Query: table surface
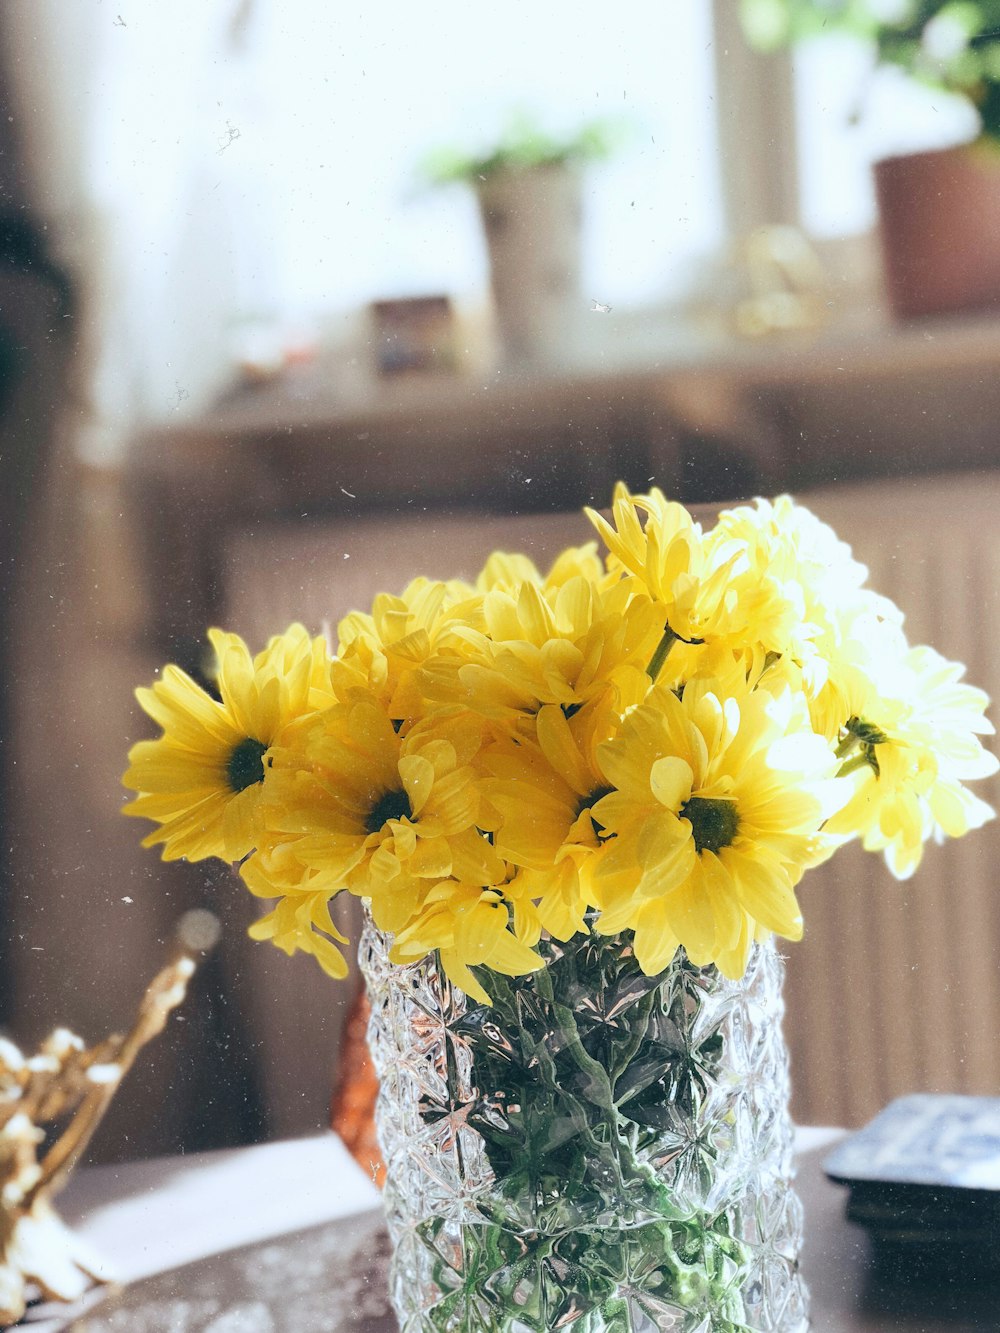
pixel 288 1238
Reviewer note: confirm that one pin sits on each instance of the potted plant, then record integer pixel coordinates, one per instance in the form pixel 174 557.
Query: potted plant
pixel 528 186
pixel 939 210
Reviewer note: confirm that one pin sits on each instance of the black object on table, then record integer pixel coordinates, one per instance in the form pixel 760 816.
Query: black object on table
pixel 924 1180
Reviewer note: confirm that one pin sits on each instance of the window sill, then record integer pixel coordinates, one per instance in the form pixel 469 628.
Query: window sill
pixel 679 358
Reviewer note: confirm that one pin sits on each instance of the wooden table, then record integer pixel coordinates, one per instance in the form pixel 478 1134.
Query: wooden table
pixel 301 1249
pixel 848 1297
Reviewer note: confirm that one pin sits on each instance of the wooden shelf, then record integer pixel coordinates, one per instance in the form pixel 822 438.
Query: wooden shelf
pixel 308 401
pixel 716 420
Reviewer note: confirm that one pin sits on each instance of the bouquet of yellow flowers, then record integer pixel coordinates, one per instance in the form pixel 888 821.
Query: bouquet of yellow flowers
pixel 648 749
pixel 666 738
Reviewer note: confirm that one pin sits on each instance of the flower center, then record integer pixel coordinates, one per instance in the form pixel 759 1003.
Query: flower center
pixel 245 765
pixel 863 737
pixel 390 805
pixel 714 823
pixel 866 732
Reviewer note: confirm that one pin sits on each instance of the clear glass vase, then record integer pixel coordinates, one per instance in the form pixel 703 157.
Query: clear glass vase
pixel 597 1152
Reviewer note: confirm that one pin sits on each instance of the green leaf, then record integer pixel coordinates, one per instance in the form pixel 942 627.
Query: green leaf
pixel 524 143
pixel 989 110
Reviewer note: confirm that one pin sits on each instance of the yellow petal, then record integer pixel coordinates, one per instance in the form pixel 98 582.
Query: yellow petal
pixel 720 890
pixel 732 963
pixel 560 749
pixel 459 975
pixel 670 779
pixel 239 828
pixel 185 711
pixel 432 859
pixel 417 774
pixel 329 957
pixel 765 892
pixel 236 678
pixel 159 766
pixel 693 921
pixel 455 802
pixel 512 957
pixel 655 941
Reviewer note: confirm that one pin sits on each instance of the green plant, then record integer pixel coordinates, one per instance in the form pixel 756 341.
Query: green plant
pixel 949 44
pixel 575 1101
pixel 523 143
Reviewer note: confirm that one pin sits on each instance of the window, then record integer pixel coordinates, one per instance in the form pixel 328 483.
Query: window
pixel 847 117
pixel 350 98
pixel 235 165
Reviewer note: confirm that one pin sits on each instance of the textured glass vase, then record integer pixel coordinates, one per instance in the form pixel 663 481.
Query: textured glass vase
pixel 598 1152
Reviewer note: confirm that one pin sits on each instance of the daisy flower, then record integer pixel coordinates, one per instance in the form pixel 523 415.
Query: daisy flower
pixel 383 651
pixel 569 645
pixel 354 804
pixel 909 745
pixel 666 555
pixel 201 780
pixel 717 807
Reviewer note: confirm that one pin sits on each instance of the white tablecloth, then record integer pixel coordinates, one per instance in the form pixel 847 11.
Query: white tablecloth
pixel 146 1217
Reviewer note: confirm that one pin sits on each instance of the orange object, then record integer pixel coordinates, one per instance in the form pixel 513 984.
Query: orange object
pixel 352 1113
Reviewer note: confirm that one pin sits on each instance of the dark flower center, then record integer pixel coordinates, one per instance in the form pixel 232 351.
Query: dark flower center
pixel 245 765
pixel 390 805
pixel 714 823
pixel 863 737
pixel 866 732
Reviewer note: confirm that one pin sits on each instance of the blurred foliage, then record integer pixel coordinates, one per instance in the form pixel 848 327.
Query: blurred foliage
pixel 524 143
pixel 949 44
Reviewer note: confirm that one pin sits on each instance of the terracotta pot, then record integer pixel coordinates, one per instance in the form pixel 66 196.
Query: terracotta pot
pixel 531 217
pixel 940 229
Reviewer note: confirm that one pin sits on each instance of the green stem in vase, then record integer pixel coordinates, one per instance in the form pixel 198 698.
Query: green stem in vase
pixel 575 1067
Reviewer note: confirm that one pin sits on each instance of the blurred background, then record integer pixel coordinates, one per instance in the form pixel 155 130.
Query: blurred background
pixel 297 301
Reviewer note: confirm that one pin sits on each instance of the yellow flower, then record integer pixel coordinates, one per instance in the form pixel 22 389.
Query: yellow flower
pixel 717 807
pixel 668 557
pixel 909 743
pixel 353 804
pixel 543 790
pixel 470 927
pixel 202 779
pixel 571 645
pixel 385 650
